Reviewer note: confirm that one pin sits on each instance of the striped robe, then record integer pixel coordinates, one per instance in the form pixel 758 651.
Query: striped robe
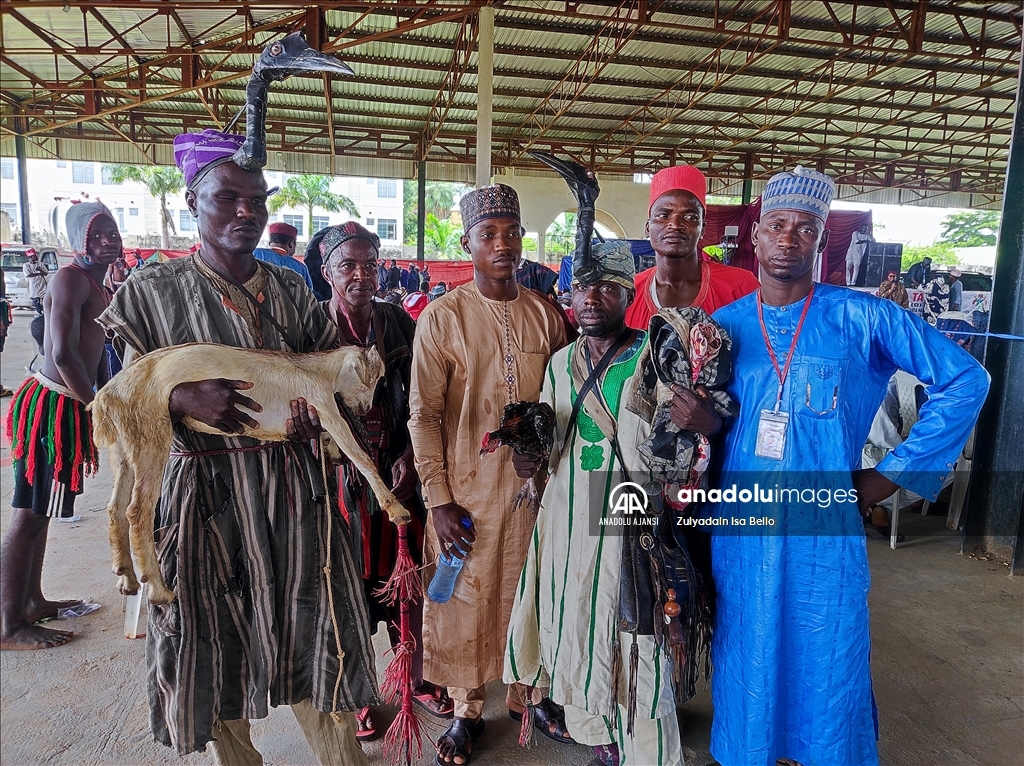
pixel 563 630
pixel 241 536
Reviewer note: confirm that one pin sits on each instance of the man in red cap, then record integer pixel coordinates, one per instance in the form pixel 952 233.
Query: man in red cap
pixel 282 250
pixel 680 278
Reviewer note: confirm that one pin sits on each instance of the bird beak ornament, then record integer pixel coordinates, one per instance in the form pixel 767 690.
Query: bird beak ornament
pixel 279 61
pixel 584 187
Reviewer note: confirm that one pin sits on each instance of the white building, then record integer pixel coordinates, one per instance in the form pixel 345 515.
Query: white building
pixel 378 200
pixel 54 184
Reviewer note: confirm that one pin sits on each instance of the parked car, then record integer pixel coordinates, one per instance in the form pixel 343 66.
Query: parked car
pixel 977 292
pixel 14 257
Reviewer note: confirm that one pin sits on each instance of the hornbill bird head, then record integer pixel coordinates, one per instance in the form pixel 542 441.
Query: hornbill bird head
pixel 584 187
pixel 280 59
pixel 283 58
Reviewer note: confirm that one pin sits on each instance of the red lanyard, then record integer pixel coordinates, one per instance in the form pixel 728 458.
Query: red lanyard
pixel 784 372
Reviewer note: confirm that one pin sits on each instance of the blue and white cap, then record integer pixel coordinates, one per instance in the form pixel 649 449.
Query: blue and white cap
pixel 800 189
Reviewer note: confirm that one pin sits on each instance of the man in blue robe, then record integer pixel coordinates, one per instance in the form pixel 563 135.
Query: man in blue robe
pixel 811 363
pixel 283 239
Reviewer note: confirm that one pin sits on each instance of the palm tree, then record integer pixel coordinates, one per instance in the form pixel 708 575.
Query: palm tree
pixel 161 182
pixel 441 198
pixel 311 192
pixel 561 235
pixel 442 238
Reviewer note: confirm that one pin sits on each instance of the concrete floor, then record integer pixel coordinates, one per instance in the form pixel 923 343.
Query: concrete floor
pixel 947 657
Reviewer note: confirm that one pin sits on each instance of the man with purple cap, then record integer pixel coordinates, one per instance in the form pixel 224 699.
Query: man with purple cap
pixel 482 346
pixel 242 525
pixel 283 238
pixel 679 277
pixel 51 430
pixel 811 363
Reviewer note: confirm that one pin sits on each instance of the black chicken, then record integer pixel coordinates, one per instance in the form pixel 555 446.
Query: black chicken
pixel 529 429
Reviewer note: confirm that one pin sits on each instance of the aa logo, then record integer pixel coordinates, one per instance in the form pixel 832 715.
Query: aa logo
pixel 627 499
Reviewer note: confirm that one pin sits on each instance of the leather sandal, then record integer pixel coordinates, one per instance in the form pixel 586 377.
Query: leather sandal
pixel 463 734
pixel 546 713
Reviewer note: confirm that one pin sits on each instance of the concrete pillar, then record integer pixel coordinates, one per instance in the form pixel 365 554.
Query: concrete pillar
pixel 421 206
pixel 484 85
pixel 994 522
pixel 26 222
pixel 540 247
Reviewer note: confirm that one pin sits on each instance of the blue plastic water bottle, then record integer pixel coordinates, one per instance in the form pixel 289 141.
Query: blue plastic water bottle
pixel 448 567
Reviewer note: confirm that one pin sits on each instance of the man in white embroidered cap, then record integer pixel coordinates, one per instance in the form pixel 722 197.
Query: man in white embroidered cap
pixel 811 363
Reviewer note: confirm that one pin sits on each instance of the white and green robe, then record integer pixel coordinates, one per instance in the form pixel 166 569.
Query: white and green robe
pixel 562 633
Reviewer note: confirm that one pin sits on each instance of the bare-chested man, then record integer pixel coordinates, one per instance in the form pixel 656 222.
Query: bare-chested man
pixel 51 432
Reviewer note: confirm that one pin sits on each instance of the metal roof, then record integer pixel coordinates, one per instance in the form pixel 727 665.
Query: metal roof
pixel 899 100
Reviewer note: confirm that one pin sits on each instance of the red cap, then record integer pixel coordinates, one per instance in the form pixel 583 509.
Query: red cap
pixel 285 229
pixel 684 177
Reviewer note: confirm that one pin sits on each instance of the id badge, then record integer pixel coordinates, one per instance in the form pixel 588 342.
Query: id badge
pixel 771 434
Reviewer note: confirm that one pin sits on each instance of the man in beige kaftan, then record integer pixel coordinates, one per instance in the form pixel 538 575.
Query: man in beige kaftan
pixel 480 347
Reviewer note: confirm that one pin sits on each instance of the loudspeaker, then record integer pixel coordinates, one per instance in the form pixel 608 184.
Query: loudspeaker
pixel 883 257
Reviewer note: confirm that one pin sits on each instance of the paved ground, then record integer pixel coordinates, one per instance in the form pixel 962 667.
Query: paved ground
pixel 948 658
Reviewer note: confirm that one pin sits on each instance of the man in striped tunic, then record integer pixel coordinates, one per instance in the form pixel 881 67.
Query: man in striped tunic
pixel 242 525
pixel 565 629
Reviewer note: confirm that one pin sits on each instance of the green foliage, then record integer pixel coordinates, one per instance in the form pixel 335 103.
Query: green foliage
pixel 941 254
pixel 560 238
pixel 970 228
pixel 409 212
pixel 441 239
pixel 441 197
pixel 529 245
pixel 161 182
pixel 311 192
pixel 717 199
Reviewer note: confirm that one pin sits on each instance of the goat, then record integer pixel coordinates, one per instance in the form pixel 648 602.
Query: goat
pixel 131 418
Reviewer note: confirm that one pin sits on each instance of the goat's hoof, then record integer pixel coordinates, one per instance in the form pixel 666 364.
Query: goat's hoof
pixel 160 594
pixel 399 515
pixel 127 586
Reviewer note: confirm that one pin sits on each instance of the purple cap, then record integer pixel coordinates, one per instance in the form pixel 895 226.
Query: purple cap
pixel 199 153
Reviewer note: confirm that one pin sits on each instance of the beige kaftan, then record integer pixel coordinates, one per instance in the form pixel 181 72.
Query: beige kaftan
pixel 458 394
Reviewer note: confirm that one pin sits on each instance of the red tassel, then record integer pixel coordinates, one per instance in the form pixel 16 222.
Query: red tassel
pixel 76 473
pixel 404 582
pixel 404 587
pixel 401 735
pixel 399 671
